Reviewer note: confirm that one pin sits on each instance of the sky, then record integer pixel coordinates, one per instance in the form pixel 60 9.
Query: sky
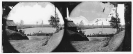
pixel 120 10
pixel 93 10
pixel 33 12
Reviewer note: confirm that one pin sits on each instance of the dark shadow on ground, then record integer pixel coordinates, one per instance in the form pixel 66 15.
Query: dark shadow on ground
pixel 7 47
pixel 65 45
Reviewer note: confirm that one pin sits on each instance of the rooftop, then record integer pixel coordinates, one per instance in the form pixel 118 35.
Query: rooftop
pixel 10 23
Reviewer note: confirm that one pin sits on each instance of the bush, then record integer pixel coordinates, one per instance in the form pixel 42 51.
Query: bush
pixel 78 37
pixel 17 36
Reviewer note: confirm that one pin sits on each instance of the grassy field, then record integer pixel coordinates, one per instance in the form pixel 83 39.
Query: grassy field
pixel 26 46
pixel 100 45
pixel 35 45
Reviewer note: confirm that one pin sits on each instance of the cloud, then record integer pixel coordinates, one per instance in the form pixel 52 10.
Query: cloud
pixel 91 10
pixel 77 20
pixel 31 13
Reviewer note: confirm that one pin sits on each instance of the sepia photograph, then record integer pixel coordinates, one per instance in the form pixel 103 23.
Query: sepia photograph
pixel 66 26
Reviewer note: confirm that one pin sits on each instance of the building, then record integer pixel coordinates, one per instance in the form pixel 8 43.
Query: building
pixel 11 25
pixel 71 26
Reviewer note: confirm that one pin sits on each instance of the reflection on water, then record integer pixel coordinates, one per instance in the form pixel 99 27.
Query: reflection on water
pixel 39 29
pixel 100 30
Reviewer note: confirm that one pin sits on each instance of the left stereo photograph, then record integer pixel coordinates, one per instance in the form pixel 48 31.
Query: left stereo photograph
pixel 31 27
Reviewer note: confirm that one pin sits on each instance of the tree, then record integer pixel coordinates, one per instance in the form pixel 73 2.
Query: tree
pixel 115 23
pixel 21 22
pixel 81 23
pixel 54 21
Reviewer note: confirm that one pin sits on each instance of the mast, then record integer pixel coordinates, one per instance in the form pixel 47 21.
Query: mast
pixel 55 12
pixel 67 13
pixel 42 23
pixel 102 26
